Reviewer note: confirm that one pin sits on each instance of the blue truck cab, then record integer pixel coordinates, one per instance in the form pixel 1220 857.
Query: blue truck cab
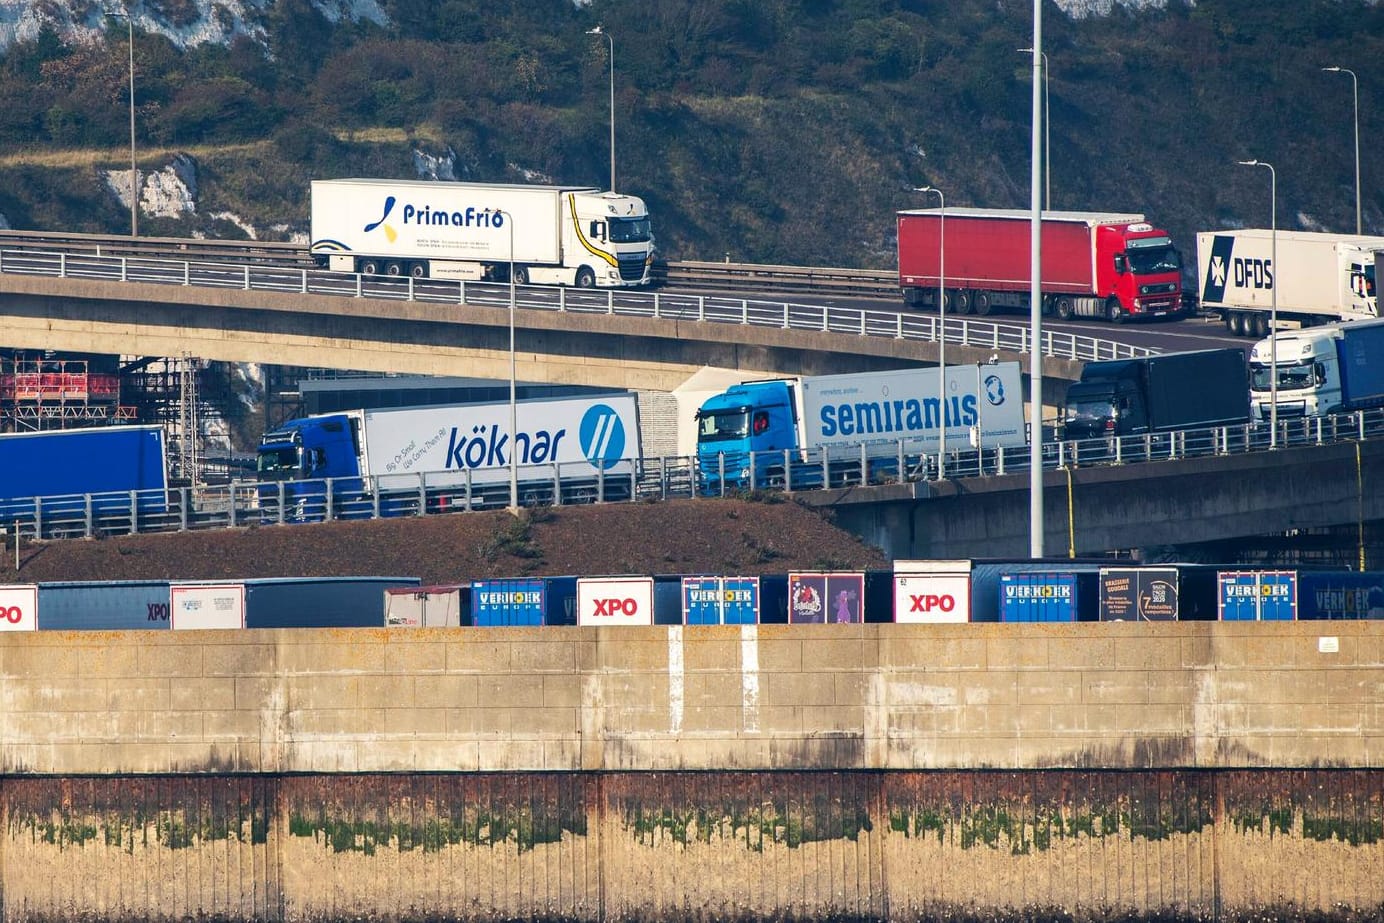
pixel 301 458
pixel 759 417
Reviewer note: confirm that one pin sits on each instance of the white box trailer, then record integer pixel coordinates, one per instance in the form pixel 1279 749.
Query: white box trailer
pixel 553 235
pixel 1312 278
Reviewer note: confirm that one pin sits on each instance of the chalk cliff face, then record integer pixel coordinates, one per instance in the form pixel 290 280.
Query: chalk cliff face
pixel 185 24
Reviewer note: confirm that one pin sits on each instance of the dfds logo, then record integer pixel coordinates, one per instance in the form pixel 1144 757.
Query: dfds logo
pixel 602 435
pixel 1224 268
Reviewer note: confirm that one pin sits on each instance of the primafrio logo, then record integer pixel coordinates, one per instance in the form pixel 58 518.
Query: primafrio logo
pixel 602 435
pixel 390 234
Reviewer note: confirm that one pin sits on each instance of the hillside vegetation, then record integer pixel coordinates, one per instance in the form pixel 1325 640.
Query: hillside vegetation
pixel 775 131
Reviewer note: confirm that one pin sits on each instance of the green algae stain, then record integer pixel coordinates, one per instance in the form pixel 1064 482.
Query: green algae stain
pixel 173 829
pixel 791 823
pixel 524 827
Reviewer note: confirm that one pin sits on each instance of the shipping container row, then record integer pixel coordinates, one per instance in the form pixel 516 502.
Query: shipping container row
pixel 913 592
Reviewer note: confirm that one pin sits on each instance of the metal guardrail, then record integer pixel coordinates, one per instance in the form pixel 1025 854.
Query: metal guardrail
pixel 670 306
pixel 247 503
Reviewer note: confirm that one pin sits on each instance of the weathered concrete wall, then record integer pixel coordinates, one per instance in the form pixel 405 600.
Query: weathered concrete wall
pixel 1110 696
pixel 909 846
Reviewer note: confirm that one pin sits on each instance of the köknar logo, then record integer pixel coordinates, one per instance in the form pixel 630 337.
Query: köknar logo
pixel 602 435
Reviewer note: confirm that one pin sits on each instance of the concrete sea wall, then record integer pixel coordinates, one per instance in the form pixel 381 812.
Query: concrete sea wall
pixel 876 772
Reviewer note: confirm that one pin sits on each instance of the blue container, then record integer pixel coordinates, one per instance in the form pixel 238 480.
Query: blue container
pixel 986 577
pixel 720 600
pixel 318 602
pixel 1257 595
pixel 133 605
pixel 560 601
pixel 1038 597
pixel 1340 595
pixel 507 602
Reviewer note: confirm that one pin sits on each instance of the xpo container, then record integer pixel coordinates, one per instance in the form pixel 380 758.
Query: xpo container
pixel 932 591
pixel 19 607
pixel 560 235
pixel 112 605
pixel 1318 279
pixel 615 601
pixel 1095 264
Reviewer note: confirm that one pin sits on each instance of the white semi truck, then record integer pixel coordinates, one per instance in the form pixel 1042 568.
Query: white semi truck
pixel 1333 368
pixel 549 235
pixel 1318 278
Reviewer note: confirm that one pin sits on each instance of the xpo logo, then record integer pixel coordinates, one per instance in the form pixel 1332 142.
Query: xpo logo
pixel 931 602
pixel 19 608
pixel 935 597
pixel 615 601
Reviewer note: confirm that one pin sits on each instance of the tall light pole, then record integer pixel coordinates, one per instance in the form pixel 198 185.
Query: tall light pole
pixel 1047 136
pixel 1355 96
pixel 941 328
pixel 513 403
pixel 134 172
pixel 1035 304
pixel 1273 292
pixel 597 31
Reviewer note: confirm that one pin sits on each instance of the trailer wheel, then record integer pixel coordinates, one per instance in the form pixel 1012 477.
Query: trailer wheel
pixel 369 268
pixel 394 268
pixel 961 302
pixel 418 270
pixel 586 278
pixel 981 301
pixel 1261 326
pixel 1064 308
pixel 521 275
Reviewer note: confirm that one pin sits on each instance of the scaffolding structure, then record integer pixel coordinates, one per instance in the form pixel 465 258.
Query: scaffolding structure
pixel 41 391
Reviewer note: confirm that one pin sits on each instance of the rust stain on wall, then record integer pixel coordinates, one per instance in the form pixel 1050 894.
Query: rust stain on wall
pixel 670 846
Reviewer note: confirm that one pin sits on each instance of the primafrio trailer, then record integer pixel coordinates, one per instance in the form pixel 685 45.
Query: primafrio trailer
pixel 1095 264
pixel 1308 278
pixel 550 235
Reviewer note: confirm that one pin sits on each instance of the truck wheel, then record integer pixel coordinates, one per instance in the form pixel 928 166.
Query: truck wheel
pixel 369 268
pixel 1114 313
pixel 1261 326
pixel 586 278
pixel 521 275
pixel 981 300
pixel 1064 308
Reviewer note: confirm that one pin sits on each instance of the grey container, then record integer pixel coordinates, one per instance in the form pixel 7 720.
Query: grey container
pixel 129 605
pixel 318 602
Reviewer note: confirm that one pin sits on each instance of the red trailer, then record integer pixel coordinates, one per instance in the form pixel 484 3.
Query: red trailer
pixel 1095 264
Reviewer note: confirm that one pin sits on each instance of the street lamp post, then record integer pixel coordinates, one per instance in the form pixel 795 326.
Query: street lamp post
pixel 513 403
pixel 1355 96
pixel 1047 136
pixel 598 31
pixel 941 329
pixel 1035 304
pixel 134 172
pixel 1273 292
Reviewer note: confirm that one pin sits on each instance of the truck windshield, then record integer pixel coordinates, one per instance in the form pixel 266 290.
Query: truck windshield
pixel 1089 411
pixel 1144 261
pixel 280 464
pixel 1291 376
pixel 729 424
pixel 630 230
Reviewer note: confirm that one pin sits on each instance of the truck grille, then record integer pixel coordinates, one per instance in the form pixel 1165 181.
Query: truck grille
pixel 631 268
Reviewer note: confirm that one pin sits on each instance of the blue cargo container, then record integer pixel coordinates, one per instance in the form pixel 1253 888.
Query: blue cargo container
pixel 1340 595
pixel 560 601
pixel 1257 595
pixel 319 602
pixel 109 461
pixel 1038 597
pixel 986 577
pixel 132 605
pixel 720 600
pixel 507 602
